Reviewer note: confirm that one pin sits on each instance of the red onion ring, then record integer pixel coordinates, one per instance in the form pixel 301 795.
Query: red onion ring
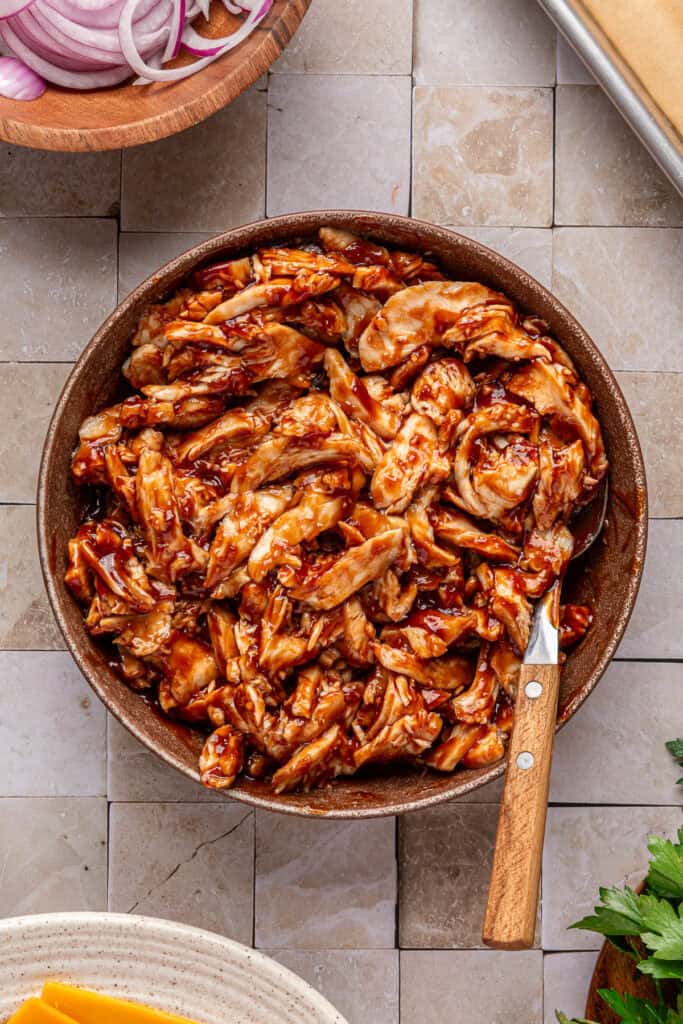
pixel 58 75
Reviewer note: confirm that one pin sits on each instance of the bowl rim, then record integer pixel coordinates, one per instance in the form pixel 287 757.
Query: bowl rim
pixel 169 933
pixel 176 118
pixel 295 225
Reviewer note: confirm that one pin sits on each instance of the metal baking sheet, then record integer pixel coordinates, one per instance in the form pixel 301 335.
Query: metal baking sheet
pixel 625 90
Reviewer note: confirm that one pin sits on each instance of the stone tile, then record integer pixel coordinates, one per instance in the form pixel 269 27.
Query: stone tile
pixel 362 984
pixel 52 728
pixel 570 68
pixel 656 626
pixel 566 979
pixel 491 793
pixel 603 173
pixel 57 285
pixel 629 711
pixel 184 862
pixel 353 38
pixel 483 155
pixel 209 178
pixel 28 394
pixel 142 253
pixel 338 142
pixel 36 183
pixel 445 858
pixel 483 42
pixel 26 621
pixel 623 285
pixel 135 774
pixel 54 855
pixel 324 884
pixel 479 986
pixel 530 248
pixel 589 847
pixel 442 884
pixel 656 403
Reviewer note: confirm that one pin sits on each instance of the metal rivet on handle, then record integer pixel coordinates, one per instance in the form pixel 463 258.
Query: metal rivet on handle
pixel 525 760
pixel 533 689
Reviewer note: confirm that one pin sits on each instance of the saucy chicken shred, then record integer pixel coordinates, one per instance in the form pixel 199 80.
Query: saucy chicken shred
pixel 338 485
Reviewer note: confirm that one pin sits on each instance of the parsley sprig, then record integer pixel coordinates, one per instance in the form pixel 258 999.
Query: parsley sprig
pixel 647 926
pixel 675 748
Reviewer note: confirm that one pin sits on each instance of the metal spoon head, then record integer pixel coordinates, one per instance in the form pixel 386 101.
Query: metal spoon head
pixel 587 524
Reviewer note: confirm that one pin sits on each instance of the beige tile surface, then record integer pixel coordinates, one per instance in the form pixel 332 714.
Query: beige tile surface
pixel 135 774
pixel 52 728
pixel 57 284
pixel 586 847
pixel 187 862
pixel 570 68
pixel 488 794
pixel 603 173
pixel 358 37
pixel 623 285
pixel 324 884
pixel 141 253
pixel 209 178
pixel 529 248
pixel 361 984
pixel 54 855
pixel 338 142
pixel 483 155
pixel 442 896
pixel 337 129
pixel 656 403
pixel 26 622
pixel 483 42
pixel 612 751
pixel 489 986
pixel 37 183
pixel 656 626
pixel 28 394
pixel 566 980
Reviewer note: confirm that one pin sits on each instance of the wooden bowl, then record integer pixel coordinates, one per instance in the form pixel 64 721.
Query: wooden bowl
pixel 128 115
pixel 608 577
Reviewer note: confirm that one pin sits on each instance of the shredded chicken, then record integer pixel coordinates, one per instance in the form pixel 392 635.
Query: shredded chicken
pixel 326 508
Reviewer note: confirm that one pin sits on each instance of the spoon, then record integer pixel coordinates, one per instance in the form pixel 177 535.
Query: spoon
pixel 512 905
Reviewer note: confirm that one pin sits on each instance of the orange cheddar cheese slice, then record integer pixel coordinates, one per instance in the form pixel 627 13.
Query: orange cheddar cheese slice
pixel 35 1011
pixel 93 1008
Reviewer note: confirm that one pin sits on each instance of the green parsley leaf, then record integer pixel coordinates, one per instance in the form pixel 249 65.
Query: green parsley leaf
pixel 675 748
pixel 619 914
pixel 633 1010
pixel 665 876
pixel 662 969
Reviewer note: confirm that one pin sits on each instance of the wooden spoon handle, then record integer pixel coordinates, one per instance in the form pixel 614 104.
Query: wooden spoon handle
pixel 512 905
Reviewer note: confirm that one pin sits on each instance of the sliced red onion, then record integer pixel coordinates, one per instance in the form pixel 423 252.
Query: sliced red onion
pixel 200 46
pixel 105 40
pixel 10 7
pixel 69 44
pixel 31 34
pixel 207 49
pixel 58 75
pixel 176 33
pixel 90 44
pixel 18 81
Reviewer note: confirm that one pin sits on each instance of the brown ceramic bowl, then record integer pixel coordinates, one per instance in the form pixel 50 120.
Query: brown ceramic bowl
pixel 607 578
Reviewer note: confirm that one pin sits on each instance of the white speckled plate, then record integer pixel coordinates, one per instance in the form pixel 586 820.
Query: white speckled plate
pixel 171 966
